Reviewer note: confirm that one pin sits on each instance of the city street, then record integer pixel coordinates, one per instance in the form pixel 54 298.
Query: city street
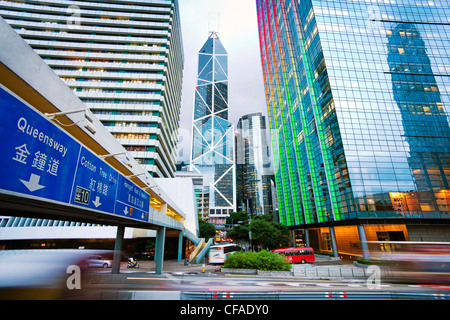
pixel 191 283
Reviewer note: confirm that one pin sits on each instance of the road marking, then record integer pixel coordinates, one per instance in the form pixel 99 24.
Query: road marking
pixel 158 279
pixel 171 277
pixel 323 284
pixel 142 278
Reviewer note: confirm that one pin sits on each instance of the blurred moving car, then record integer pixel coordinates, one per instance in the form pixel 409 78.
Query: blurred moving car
pixel 413 261
pixel 97 261
pixel 45 274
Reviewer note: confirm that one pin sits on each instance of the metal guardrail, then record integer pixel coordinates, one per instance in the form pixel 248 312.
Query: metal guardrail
pixel 317 272
pixel 311 295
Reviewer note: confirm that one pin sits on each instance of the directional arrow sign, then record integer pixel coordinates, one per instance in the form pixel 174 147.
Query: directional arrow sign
pixel 36 158
pixel 98 178
pixel 33 183
pixel 131 200
pixel 97 202
pixel 39 159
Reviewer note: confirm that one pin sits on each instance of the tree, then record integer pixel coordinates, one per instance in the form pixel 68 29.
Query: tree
pixel 206 229
pixel 265 217
pixel 239 233
pixel 269 234
pixel 235 217
pixel 284 234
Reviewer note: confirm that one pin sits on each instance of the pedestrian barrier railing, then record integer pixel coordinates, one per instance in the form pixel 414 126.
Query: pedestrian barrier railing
pixel 330 272
pixel 312 295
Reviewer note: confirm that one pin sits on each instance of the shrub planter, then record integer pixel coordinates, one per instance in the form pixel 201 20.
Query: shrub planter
pixel 258 272
pixel 275 273
pixel 239 271
pixel 255 262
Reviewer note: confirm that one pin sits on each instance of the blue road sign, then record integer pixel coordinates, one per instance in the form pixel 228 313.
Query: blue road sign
pixel 95 183
pixel 41 160
pixel 131 200
pixel 38 158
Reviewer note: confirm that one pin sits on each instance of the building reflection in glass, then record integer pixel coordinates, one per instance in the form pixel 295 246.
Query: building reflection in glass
pixel 254 167
pixel 425 124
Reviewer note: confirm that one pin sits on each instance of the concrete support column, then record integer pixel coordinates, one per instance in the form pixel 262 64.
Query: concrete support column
pixel 115 269
pixel 180 246
pixel 333 242
pixel 363 240
pixel 159 252
pixel 293 238
pixel 164 208
pixel 305 232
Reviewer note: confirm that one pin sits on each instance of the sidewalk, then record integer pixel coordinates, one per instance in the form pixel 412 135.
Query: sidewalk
pixel 169 266
pixel 322 268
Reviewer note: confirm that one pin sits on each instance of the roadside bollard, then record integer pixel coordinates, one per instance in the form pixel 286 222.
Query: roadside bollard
pixel 203 268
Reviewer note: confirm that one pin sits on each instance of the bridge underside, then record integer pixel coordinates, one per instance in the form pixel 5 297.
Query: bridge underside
pixel 11 205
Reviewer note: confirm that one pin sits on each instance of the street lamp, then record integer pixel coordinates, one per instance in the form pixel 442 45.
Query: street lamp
pixel 114 154
pixel 89 126
pixel 135 175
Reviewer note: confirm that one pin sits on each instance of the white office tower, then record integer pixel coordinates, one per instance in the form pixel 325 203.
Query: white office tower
pixel 124 60
pixel 212 152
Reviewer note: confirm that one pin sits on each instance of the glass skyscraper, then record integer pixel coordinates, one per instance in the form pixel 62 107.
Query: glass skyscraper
pixel 123 59
pixel 254 170
pixel 358 101
pixel 212 152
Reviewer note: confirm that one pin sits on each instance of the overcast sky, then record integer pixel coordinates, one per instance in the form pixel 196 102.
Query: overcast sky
pixel 236 22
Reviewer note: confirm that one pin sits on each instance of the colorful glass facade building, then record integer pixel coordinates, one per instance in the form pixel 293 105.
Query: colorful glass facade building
pixel 358 102
pixel 212 152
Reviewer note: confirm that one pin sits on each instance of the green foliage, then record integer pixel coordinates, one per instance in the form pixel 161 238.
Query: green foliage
pixel 239 233
pixel 236 217
pixel 206 230
pixel 269 234
pixel 271 261
pixel 263 260
pixel 265 217
pixel 265 233
pixel 241 260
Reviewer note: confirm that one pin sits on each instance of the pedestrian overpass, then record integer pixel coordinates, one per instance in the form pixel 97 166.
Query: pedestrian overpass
pixel 59 162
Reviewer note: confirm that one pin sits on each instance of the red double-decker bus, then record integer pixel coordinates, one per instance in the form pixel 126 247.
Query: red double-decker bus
pixel 297 255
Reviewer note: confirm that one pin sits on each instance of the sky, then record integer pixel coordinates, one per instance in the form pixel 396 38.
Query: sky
pixel 236 23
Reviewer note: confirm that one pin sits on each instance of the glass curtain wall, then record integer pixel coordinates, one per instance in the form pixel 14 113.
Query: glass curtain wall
pixel 254 166
pixel 213 135
pixel 358 98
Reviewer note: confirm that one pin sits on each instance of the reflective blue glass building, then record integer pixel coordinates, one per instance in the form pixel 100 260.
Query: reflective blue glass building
pixel 358 100
pixel 212 152
pixel 254 170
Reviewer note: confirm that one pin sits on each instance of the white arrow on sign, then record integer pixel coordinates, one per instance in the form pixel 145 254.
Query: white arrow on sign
pixel 33 183
pixel 125 210
pixel 97 202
